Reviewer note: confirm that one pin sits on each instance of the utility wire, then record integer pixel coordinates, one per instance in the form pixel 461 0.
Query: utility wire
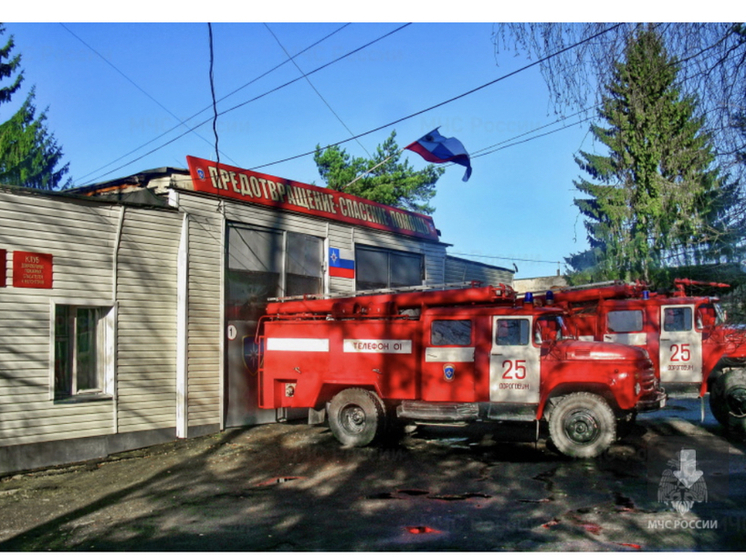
pixel 447 101
pixel 355 137
pixel 328 106
pixel 348 54
pixel 212 92
pixel 126 77
pixel 309 47
pixel 503 257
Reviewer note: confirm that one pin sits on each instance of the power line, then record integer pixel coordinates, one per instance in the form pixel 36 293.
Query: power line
pixel 309 47
pixel 355 137
pixel 504 258
pixel 212 92
pixel 126 77
pixel 328 106
pixel 323 66
pixel 451 100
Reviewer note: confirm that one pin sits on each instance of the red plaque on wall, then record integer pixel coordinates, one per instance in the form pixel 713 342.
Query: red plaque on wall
pixel 3 267
pixel 32 269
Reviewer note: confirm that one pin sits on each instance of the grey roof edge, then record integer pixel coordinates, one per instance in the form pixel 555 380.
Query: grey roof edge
pixel 480 263
pixel 67 195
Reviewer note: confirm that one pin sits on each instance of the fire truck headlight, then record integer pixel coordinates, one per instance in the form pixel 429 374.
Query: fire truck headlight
pixel 638 389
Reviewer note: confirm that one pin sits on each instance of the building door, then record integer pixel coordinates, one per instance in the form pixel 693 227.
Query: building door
pixel 262 263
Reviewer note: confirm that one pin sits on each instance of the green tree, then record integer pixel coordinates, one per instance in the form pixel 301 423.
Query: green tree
pixel 393 182
pixel 656 198
pixel 29 153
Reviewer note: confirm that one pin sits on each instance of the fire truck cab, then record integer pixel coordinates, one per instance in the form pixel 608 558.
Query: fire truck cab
pixel 692 348
pixel 449 357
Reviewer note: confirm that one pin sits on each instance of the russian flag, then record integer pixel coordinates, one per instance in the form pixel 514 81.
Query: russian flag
pixel 341 263
pixel 436 148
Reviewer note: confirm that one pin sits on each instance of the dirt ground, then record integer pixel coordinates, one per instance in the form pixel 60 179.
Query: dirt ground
pixel 287 487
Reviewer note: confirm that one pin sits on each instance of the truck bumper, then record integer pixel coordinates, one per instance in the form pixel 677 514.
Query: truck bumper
pixel 652 402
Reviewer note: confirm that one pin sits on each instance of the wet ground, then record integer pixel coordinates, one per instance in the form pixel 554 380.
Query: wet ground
pixel 291 487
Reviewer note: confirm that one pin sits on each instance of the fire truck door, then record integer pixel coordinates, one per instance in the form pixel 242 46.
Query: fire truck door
pixel 680 345
pixel 515 366
pixel 448 370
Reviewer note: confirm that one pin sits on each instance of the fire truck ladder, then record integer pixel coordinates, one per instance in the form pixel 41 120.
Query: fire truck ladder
pixel 383 291
pixel 383 303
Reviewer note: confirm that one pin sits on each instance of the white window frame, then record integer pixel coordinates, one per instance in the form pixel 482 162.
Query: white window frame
pixel 106 346
pixel 391 252
pixel 284 265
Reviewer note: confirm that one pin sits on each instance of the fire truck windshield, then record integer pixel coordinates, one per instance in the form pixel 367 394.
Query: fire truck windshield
pixel 710 314
pixel 550 328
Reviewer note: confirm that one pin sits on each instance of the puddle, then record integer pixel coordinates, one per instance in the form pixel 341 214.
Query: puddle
pixel 413 492
pixel 546 478
pixel 632 545
pixel 624 504
pixel 278 481
pixel 536 501
pixel 461 497
pixel 382 496
pixel 422 530
pixel 591 527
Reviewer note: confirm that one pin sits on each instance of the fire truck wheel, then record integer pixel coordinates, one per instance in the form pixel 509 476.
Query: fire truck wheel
pixel 728 400
pixel 356 417
pixel 582 425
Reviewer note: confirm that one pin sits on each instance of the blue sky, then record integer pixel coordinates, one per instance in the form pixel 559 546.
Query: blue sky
pixel 518 204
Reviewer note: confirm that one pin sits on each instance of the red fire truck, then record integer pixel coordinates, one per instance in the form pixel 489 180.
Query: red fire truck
pixel 691 347
pixel 448 357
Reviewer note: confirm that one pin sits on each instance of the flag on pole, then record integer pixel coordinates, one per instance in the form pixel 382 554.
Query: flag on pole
pixel 436 148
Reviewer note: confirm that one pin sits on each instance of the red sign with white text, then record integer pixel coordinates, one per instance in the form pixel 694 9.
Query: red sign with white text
pixel 32 269
pixel 249 186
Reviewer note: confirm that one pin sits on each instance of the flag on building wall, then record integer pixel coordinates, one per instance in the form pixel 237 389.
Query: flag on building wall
pixel 341 263
pixel 436 148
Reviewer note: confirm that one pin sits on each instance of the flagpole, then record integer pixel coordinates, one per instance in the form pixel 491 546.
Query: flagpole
pixel 361 175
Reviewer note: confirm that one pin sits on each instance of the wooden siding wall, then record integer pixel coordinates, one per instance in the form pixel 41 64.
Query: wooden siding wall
pixel 82 238
pixel 146 292
pixel 206 261
pixel 204 329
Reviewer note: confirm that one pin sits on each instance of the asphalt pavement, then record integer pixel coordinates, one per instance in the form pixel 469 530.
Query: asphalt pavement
pixel 291 487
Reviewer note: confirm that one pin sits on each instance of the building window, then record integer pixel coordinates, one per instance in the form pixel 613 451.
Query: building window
pixel 304 264
pixel 83 351
pixel 264 263
pixel 377 268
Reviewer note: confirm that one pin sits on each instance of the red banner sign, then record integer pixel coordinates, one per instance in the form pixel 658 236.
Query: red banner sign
pixel 248 186
pixel 32 269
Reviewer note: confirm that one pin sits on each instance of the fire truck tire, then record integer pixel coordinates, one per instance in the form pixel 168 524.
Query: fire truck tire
pixel 356 417
pixel 582 425
pixel 728 400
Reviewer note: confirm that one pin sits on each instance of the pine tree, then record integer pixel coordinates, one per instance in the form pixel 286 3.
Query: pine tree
pixel 29 153
pixel 393 183
pixel 654 199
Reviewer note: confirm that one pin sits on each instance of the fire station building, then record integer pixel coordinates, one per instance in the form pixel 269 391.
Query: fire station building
pixel 128 309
